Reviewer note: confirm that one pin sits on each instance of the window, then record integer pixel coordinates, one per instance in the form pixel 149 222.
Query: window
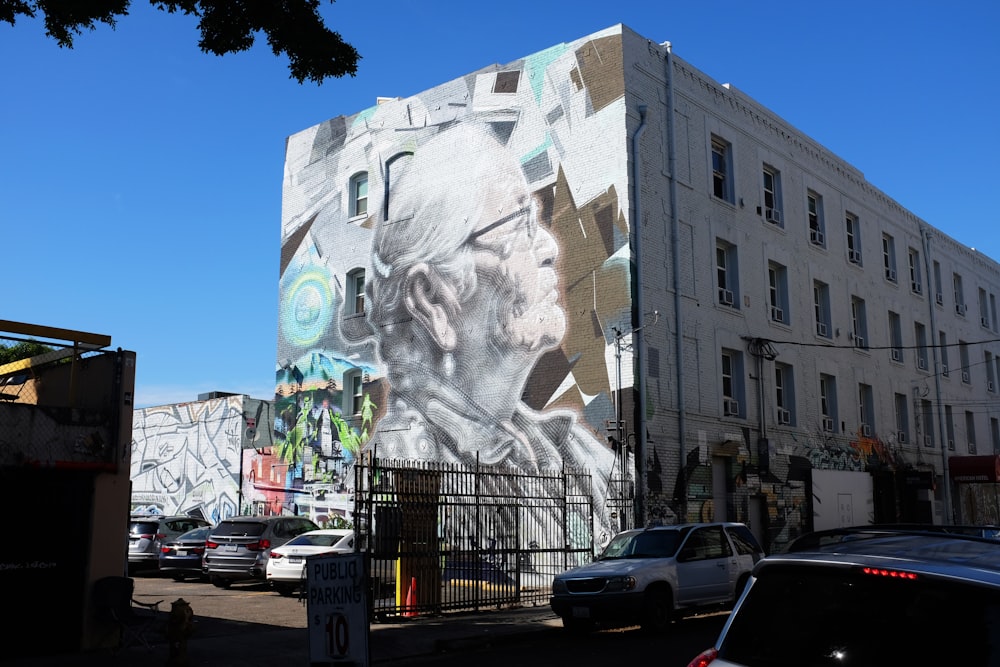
pixel 777 289
pixel 859 323
pixel 866 410
pixel 895 337
pixel 963 357
pixel 902 419
pixel 916 284
pixel 784 394
pixel 817 230
pixel 943 345
pixel 821 309
pixel 991 384
pixel 772 195
pixel 722 169
pixel 984 309
pixel 920 335
pixel 970 431
pixel 949 427
pixel 356 292
pixel 726 271
pixel 828 402
pixel 938 294
pixel 927 422
pixel 853 230
pixel 732 383
pixel 358 196
pixel 889 257
pixel 353 393
pixel 956 282
pixel 993 310
pixel 995 434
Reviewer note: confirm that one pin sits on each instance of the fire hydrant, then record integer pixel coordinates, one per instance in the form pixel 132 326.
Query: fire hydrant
pixel 180 625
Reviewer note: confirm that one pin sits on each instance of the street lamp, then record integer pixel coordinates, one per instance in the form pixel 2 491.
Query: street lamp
pixel 620 423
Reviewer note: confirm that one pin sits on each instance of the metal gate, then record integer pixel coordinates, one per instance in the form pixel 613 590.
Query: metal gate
pixel 445 537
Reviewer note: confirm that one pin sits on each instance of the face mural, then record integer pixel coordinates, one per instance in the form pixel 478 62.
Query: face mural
pixel 452 267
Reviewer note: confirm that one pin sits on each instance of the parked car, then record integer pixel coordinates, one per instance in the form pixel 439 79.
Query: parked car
pixel 286 568
pixel 654 575
pixel 181 557
pixel 868 596
pixel 148 532
pixel 239 547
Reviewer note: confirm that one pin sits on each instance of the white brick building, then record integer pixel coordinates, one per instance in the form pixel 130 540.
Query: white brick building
pixel 794 349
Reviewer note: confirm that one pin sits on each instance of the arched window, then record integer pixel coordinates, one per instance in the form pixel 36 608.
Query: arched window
pixel 358 196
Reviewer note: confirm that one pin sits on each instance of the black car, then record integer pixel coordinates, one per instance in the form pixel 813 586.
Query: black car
pixel 181 557
pixel 870 595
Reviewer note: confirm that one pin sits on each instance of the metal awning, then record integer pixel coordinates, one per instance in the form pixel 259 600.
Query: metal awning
pixel 974 468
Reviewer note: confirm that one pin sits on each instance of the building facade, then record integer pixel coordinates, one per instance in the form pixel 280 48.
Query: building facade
pixel 598 256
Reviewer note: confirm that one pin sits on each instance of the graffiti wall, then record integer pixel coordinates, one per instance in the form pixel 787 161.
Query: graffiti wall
pixel 453 267
pixel 187 458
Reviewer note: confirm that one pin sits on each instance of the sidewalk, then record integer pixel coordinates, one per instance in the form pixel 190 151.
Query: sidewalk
pixel 221 643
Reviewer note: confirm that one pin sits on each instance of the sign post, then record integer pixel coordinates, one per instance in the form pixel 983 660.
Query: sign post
pixel 337 609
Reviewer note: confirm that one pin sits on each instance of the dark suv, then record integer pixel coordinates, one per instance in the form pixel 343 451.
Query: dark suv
pixel 868 596
pixel 239 547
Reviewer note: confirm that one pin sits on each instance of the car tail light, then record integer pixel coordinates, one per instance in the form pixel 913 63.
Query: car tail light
pixel 705 658
pixel 277 554
pixel 259 545
pixel 146 536
pixel 211 545
pixel 165 550
pixel 886 572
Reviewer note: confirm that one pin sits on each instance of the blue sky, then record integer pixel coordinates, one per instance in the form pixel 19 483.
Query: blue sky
pixel 140 179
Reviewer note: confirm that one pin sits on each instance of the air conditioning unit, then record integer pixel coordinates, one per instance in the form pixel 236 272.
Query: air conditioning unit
pixel 854 256
pixel 989 386
pixel 866 430
pixel 985 322
pixel 901 437
pixel 816 236
pixel 916 287
pixel 827 424
pixel 897 355
pixel 944 370
pixel 921 363
pixel 960 308
pixel 951 445
pixel 784 417
pixel 772 215
pixel 890 275
pixel 965 377
pixel 777 314
pixel 972 448
pixel 725 296
pixel 731 407
pixel 821 329
pixel 859 342
pixel 927 441
pixel 939 298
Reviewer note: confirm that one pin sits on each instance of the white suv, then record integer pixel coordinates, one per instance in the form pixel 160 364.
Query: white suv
pixel 654 575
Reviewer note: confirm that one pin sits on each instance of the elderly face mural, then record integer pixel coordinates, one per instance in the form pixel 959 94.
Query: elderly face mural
pixel 453 266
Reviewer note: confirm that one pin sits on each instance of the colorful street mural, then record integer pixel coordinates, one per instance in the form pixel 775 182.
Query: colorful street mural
pixel 453 265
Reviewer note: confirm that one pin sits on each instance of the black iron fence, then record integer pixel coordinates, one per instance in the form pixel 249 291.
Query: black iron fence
pixel 446 537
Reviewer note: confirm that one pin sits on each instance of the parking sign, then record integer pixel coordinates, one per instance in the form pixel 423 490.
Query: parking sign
pixel 338 610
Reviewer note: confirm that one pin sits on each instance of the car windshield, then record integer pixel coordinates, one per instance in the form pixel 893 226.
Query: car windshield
pixel 240 529
pixel 648 544
pixel 318 540
pixel 196 534
pixel 143 527
pixel 806 616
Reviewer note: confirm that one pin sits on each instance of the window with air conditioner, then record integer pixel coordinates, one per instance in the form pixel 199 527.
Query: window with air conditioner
pixel 889 257
pixel 902 408
pixel 772 195
pixel 853 232
pixel 732 382
pixel 913 261
pixel 828 401
pixel 896 354
pixel 814 214
pixel 784 417
pixel 859 322
pixel 901 437
pixel 895 337
pixel 726 274
pixel 866 430
pixel 821 308
pixel 866 409
pixel 777 291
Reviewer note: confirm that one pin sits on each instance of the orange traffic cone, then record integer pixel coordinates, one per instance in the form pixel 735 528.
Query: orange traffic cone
pixel 410 609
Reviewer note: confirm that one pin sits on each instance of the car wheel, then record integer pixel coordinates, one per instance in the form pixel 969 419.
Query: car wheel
pixel 221 582
pixel 658 610
pixel 578 625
